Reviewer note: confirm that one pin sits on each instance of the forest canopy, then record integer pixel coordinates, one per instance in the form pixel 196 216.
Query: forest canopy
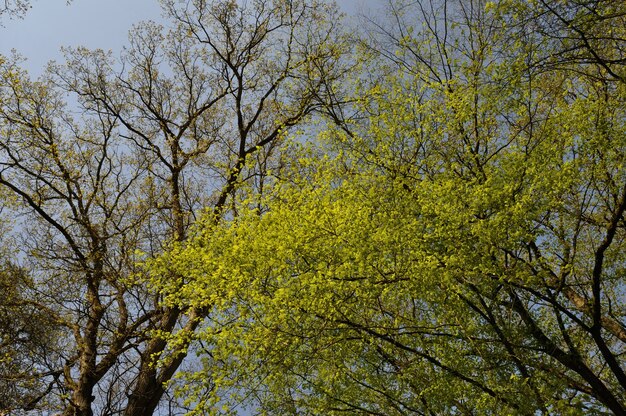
pixel 262 210
pixel 456 250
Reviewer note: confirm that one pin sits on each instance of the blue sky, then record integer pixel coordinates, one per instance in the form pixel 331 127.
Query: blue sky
pixel 52 24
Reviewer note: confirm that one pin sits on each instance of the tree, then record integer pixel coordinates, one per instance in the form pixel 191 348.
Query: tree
pixel 105 159
pixel 577 34
pixel 13 7
pixel 458 252
pixel 28 341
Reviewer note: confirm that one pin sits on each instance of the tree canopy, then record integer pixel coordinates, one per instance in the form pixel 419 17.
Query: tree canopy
pixel 105 161
pixel 259 208
pixel 458 250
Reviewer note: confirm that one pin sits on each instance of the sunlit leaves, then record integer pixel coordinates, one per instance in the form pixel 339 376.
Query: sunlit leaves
pixel 441 256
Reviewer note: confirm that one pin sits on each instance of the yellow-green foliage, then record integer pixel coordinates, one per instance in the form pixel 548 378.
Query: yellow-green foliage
pixel 437 260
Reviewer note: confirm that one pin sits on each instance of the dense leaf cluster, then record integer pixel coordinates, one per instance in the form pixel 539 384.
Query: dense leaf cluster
pixel 458 250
